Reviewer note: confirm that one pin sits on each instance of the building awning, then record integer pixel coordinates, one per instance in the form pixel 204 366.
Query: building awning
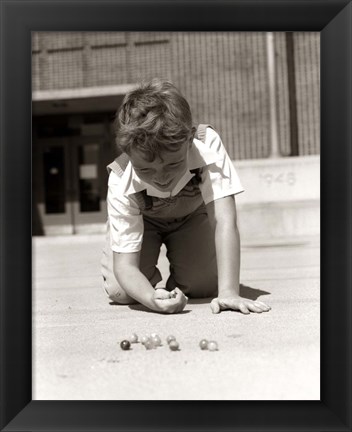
pixel 79 100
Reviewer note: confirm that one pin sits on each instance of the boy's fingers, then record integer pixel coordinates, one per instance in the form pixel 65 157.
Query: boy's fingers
pixel 171 305
pixel 161 294
pixel 262 304
pixel 252 307
pixel 262 308
pixel 179 294
pixel 214 305
pixel 243 308
pixel 181 302
pixel 180 299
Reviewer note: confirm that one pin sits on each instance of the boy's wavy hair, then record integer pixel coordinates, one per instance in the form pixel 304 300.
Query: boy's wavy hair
pixel 152 119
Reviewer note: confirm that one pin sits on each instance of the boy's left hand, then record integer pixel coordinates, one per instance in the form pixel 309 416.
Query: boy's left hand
pixel 238 303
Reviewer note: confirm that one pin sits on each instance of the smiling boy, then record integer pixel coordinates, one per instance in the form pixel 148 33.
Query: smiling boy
pixel 173 185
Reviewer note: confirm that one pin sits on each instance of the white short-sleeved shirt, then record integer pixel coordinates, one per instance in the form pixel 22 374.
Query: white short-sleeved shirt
pixel 219 179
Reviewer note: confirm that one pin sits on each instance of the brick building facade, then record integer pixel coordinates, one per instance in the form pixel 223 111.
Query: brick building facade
pixel 79 80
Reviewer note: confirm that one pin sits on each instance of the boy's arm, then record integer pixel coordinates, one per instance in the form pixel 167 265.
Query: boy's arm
pixel 223 218
pixel 137 286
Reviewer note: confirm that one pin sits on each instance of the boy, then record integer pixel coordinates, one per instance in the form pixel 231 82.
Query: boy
pixel 170 187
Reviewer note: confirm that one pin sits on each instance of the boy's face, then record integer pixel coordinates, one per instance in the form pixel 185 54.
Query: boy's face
pixel 163 173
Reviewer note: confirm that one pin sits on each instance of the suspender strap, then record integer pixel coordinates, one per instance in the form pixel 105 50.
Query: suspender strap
pixel 145 202
pixel 119 165
pixel 201 132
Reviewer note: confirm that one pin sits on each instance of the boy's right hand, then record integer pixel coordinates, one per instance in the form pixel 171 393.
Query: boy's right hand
pixel 166 303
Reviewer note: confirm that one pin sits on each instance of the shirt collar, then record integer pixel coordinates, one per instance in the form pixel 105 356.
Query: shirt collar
pixel 199 156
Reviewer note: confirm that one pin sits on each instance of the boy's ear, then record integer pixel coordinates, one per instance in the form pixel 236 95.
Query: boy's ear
pixel 193 133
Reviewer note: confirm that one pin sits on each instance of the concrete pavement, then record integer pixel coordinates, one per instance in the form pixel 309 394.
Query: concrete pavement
pixel 271 356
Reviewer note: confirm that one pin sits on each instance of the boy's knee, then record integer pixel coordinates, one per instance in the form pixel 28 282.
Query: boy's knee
pixel 116 294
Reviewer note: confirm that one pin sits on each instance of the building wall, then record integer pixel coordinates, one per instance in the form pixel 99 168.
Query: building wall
pixel 223 75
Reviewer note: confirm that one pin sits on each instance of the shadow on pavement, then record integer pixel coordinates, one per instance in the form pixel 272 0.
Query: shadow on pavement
pixel 252 293
pixel 142 308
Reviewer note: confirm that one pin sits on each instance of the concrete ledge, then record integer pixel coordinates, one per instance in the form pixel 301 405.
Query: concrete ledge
pixel 281 198
pixel 279 180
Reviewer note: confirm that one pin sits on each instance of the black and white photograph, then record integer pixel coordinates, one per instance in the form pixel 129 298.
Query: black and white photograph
pixel 176 215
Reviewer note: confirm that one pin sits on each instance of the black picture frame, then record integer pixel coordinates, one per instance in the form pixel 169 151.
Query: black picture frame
pixel 333 18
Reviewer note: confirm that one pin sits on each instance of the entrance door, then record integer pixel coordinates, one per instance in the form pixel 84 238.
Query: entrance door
pixel 88 180
pixel 69 184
